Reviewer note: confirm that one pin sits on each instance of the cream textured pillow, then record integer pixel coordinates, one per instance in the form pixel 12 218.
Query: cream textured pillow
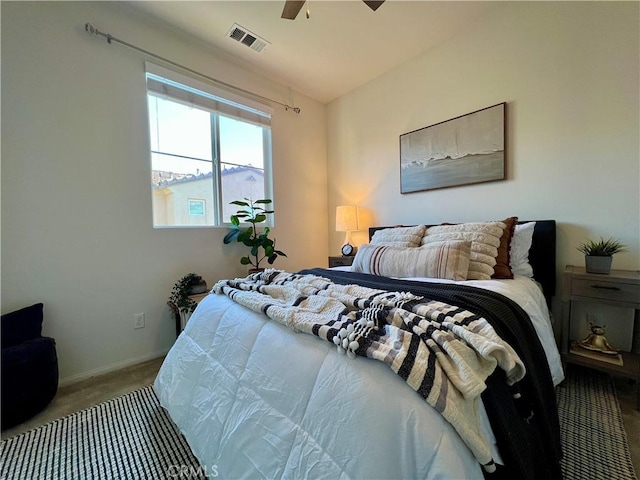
pixel 484 238
pixel 399 236
pixel 448 260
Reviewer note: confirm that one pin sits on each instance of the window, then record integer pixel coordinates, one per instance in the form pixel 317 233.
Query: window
pixel 208 148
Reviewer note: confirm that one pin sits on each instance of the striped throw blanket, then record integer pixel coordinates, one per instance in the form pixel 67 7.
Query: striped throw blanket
pixel 443 352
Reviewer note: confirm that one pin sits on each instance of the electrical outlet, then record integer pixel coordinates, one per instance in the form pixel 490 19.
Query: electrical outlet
pixel 138 320
pixel 593 318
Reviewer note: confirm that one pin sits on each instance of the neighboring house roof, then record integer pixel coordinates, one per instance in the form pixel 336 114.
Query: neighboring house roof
pixel 162 179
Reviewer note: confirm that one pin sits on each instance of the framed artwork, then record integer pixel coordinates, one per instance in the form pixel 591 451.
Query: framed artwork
pixel 464 150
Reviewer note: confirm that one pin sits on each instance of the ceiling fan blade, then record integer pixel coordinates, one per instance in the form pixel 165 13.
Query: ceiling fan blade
pixel 373 5
pixel 291 9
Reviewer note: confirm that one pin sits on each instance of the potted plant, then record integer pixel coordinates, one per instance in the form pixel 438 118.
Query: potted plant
pixel 598 255
pixel 179 300
pixel 261 246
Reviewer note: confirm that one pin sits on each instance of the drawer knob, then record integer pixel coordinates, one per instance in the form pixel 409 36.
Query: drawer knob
pixel 605 287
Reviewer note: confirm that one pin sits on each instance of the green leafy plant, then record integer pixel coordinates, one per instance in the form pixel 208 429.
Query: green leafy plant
pixel 182 289
pixel 261 246
pixel 602 247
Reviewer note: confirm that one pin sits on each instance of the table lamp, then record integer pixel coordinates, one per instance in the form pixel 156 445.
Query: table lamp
pixel 347 221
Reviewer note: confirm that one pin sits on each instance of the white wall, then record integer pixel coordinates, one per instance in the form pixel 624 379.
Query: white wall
pixel 76 200
pixel 570 75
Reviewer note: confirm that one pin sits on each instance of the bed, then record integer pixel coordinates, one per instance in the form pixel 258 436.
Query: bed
pixel 274 396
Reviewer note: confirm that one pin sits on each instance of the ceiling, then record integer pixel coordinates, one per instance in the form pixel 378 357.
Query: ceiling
pixel 343 44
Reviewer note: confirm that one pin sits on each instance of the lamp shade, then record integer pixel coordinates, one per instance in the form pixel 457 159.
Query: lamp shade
pixel 346 218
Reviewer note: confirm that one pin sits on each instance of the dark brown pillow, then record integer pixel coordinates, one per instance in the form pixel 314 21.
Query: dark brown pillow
pixel 502 267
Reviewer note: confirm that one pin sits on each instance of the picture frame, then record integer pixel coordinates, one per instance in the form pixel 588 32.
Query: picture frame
pixel 464 150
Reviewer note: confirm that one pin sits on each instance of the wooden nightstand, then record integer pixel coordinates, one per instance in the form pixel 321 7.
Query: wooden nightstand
pixel 340 261
pixel 620 288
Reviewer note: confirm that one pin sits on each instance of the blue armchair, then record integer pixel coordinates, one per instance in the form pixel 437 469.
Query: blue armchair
pixel 29 366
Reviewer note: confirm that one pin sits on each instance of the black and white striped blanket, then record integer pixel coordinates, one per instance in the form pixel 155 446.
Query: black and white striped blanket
pixel 443 352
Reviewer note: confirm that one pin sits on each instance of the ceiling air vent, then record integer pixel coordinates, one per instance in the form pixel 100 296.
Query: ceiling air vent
pixel 244 36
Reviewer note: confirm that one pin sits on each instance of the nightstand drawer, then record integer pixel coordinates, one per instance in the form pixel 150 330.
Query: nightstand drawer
pixel 340 261
pixel 606 290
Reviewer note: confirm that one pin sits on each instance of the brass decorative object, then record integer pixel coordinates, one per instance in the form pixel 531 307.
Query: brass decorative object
pixel 597 342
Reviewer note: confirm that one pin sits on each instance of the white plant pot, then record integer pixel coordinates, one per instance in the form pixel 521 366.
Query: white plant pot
pixel 184 318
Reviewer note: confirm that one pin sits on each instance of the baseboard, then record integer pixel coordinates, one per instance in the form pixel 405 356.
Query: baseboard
pixel 110 368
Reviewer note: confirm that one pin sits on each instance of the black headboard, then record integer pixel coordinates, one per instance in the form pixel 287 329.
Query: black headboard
pixel 542 255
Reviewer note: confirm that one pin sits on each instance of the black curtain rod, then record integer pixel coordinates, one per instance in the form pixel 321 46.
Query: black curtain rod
pixel 89 28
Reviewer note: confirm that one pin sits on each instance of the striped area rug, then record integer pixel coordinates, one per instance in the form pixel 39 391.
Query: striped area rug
pixel 131 437
pixel 593 437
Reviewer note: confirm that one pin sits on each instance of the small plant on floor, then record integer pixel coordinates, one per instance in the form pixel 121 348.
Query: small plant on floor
pixel 182 289
pixel 253 212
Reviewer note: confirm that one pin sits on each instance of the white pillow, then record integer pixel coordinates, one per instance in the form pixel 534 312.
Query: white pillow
pixel 520 245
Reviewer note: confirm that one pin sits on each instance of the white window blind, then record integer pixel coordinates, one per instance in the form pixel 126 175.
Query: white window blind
pixel 169 84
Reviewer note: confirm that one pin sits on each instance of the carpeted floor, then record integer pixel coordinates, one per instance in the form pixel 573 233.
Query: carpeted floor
pixel 83 394
pixel 131 437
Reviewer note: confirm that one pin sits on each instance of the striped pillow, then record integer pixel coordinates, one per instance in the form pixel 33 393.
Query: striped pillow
pixel 484 238
pixel 399 236
pixel 448 260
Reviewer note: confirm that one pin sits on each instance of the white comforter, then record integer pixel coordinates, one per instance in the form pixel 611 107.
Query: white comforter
pixel 256 400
